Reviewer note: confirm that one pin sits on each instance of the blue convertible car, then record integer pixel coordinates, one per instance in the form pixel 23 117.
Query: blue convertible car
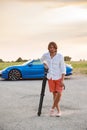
pixel 29 70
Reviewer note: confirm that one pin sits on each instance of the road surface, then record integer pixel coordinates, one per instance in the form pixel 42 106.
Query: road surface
pixel 19 102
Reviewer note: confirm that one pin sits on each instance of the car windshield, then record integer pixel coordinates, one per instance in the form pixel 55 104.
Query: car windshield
pixel 27 62
pixel 34 62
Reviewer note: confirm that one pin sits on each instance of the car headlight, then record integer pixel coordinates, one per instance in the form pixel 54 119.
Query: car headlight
pixel 0 72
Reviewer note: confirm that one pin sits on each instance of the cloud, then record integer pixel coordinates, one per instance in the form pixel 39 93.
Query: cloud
pixel 65 1
pixel 56 0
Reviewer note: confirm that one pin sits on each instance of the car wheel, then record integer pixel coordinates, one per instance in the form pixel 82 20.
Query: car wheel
pixel 14 75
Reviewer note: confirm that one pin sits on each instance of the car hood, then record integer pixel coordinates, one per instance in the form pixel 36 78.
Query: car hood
pixel 12 67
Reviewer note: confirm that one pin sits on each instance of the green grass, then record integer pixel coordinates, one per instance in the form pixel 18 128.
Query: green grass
pixel 6 64
pixel 79 67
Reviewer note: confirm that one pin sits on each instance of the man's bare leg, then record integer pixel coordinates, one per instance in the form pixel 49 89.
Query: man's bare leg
pixel 56 98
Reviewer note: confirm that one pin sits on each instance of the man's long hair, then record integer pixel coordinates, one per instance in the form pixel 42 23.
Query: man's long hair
pixel 53 44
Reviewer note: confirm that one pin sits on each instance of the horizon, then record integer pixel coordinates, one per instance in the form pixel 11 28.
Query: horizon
pixel 25 60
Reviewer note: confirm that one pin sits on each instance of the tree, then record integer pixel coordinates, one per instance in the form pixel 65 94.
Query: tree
pixel 67 58
pixel 1 60
pixel 19 59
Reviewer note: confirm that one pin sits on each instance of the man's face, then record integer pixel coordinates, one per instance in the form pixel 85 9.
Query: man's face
pixel 52 49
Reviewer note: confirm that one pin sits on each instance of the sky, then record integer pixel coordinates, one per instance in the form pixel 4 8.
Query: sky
pixel 27 26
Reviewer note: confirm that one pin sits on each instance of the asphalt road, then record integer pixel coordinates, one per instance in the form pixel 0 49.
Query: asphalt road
pixel 19 102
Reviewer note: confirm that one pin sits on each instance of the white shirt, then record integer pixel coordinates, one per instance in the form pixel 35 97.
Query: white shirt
pixel 56 65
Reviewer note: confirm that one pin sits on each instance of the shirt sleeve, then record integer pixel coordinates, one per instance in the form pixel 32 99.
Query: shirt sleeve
pixel 63 67
pixel 43 59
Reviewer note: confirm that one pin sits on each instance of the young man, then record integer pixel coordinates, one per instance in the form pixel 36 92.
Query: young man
pixel 56 72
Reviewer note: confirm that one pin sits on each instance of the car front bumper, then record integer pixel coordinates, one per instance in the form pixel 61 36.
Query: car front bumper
pixel 0 73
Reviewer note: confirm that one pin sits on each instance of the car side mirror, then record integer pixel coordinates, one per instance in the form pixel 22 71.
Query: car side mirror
pixel 30 64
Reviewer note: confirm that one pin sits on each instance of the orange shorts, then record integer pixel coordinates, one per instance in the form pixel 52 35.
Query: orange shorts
pixel 55 85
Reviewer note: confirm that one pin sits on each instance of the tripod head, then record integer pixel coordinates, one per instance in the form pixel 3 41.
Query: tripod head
pixel 46 71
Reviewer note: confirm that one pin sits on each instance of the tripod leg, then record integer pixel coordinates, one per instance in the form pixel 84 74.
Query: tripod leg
pixel 42 96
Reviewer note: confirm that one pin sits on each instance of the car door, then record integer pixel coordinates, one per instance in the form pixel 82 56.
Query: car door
pixel 34 70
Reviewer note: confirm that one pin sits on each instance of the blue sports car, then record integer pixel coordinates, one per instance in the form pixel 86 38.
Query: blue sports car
pixel 32 69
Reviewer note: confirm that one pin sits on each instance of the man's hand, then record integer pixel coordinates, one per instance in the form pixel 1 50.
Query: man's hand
pixel 62 84
pixel 46 66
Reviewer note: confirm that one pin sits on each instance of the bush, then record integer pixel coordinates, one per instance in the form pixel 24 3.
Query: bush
pixel 1 60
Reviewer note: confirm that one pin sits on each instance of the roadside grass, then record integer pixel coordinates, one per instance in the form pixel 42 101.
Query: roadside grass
pixel 6 64
pixel 79 67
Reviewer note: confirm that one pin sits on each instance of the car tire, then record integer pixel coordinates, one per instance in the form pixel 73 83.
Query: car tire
pixel 14 74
